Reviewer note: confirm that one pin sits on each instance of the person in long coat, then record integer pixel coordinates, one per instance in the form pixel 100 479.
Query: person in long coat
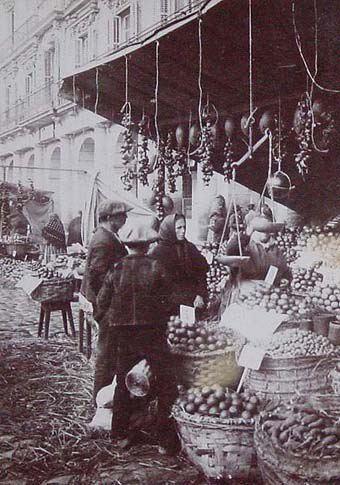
pixel 134 302
pixel 186 266
pixel 104 251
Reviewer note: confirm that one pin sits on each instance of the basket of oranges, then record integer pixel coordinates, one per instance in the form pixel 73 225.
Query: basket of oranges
pixel 203 353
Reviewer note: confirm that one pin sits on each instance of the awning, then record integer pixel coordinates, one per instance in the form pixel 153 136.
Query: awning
pixel 278 69
pixel 225 62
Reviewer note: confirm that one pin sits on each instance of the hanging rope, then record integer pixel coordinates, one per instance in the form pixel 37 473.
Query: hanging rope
pixel 279 161
pixel 200 61
pixel 156 96
pixel 251 107
pixel 127 105
pixel 299 46
pixel 97 90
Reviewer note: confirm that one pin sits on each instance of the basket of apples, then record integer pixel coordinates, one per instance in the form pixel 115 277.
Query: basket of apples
pixel 216 428
pixel 203 353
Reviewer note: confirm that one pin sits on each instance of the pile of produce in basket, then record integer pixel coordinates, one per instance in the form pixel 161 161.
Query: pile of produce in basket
pixel 277 298
pixel 13 269
pixel 326 297
pixel 299 442
pixel 219 402
pixel 299 343
pixel 196 337
pixel 216 429
pixel 305 279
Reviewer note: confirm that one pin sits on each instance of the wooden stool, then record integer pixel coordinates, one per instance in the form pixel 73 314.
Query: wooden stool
pixel 45 315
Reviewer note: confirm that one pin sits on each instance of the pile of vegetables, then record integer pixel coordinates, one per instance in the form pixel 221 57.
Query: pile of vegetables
pixel 299 343
pixel 196 337
pixel 305 279
pixel 277 298
pixel 12 269
pixel 301 429
pixel 219 402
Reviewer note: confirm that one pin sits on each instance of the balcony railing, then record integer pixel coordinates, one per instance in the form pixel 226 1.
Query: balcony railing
pixel 36 103
pixel 25 31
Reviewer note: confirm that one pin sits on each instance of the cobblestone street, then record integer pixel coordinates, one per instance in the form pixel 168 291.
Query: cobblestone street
pixel 45 408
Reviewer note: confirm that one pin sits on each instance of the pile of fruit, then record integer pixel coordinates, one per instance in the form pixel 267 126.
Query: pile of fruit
pixel 217 272
pixel 196 337
pixel 326 297
pixel 299 343
pixel 301 429
pixel 219 402
pixel 305 279
pixel 279 299
pixel 286 241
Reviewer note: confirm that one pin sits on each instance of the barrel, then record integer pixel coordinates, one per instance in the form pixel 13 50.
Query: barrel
pixel 282 378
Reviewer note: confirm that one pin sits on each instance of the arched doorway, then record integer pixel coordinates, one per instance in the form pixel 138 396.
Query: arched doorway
pixel 54 178
pixel 86 162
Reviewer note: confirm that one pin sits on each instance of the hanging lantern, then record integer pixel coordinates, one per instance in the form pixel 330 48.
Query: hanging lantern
pixel 266 122
pixel 181 136
pixel 229 127
pixel 245 124
pixel 194 135
pixel 279 185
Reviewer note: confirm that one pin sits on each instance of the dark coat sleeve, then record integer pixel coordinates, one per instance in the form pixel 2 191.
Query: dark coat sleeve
pixel 104 297
pixel 100 263
pixel 200 270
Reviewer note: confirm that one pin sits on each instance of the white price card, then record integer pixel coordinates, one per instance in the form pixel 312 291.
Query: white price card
pixel 251 357
pixel 187 314
pixel 271 275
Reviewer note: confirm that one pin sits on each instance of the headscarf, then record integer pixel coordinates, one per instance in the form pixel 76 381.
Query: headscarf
pixel 54 232
pixel 167 232
pixel 167 235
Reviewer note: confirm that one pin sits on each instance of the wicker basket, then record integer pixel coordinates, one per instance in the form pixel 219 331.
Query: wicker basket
pixel 198 369
pixel 279 467
pixel 55 289
pixel 220 448
pixel 282 378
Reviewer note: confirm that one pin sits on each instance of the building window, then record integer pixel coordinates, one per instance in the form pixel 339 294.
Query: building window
pixel 49 65
pixel 187 195
pixel 120 29
pixel 12 24
pixel 82 50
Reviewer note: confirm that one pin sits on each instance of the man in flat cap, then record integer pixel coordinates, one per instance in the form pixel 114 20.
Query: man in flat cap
pixel 104 251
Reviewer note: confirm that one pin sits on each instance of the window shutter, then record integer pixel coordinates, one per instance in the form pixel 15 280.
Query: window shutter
pixel 164 9
pixel 116 31
pixel 78 51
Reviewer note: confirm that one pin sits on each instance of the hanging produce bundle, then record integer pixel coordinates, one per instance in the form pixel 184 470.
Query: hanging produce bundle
pixel 299 343
pixel 158 187
pixel 128 151
pixel 143 162
pixel 170 162
pixel 217 274
pixel 4 210
pixel 196 337
pixel 302 429
pixel 279 140
pixel 303 125
pixel 228 159
pixel 205 151
pixel 219 402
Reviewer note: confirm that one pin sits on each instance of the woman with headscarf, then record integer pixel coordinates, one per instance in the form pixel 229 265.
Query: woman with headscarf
pixel 185 265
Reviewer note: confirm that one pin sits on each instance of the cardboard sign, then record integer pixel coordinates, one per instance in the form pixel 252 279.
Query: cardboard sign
pixel 271 275
pixel 251 357
pixel 187 314
pixel 29 284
